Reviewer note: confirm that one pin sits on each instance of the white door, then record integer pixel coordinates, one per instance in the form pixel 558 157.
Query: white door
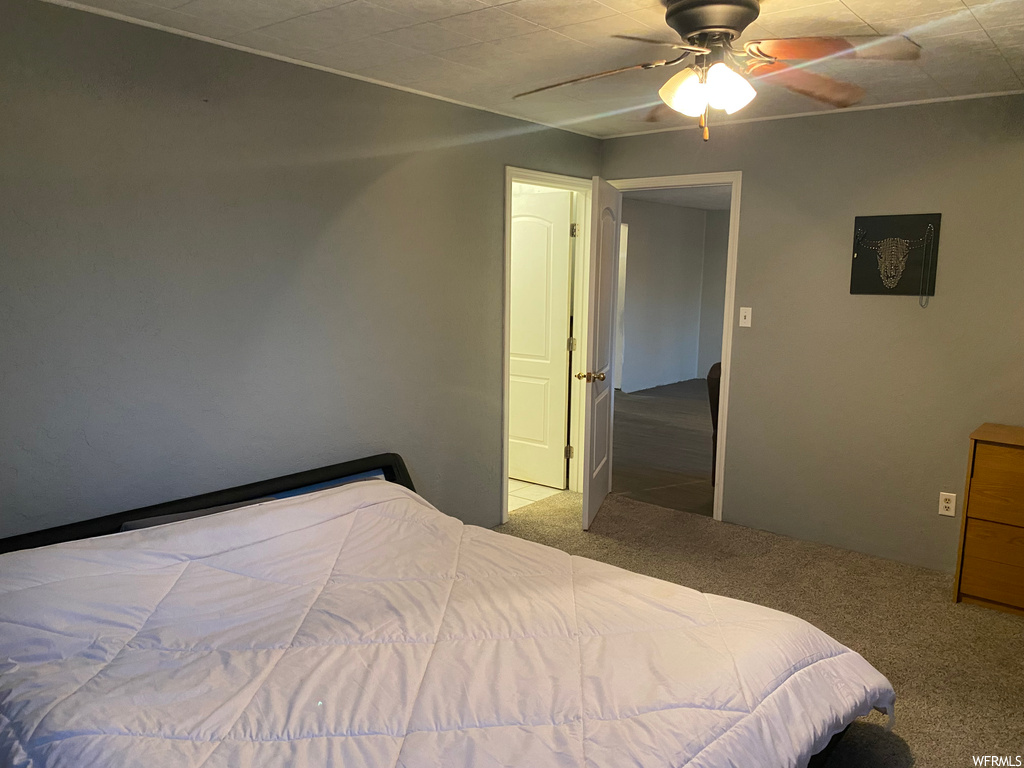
pixel 539 331
pixel 606 215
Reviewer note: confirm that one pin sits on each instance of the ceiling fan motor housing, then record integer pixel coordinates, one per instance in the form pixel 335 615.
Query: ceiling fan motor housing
pixel 726 17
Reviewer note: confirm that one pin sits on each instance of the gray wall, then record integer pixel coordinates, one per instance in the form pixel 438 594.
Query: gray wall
pixel 712 290
pixel 849 414
pixel 665 254
pixel 218 268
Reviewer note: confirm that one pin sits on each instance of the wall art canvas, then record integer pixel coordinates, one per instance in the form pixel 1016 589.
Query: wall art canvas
pixel 895 255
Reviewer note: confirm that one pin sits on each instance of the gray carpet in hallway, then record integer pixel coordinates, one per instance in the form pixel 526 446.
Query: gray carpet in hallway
pixel 662 446
pixel 958 670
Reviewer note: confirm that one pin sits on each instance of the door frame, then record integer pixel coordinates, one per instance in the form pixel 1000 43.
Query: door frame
pixel 735 179
pixel 581 262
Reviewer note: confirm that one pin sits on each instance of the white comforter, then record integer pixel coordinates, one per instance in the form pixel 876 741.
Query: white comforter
pixel 359 626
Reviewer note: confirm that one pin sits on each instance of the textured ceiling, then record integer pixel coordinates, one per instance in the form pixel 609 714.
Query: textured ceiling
pixel 716 197
pixel 482 52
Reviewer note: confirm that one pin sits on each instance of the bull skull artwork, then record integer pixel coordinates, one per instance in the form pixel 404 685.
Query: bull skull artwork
pixel 892 256
pixel 905 247
pixel 892 259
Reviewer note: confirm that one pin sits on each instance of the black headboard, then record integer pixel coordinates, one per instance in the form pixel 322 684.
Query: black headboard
pixel 391 464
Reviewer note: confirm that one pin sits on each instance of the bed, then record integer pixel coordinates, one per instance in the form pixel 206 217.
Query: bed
pixel 327 624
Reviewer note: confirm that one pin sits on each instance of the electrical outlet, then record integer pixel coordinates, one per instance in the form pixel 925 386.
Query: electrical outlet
pixel 947 504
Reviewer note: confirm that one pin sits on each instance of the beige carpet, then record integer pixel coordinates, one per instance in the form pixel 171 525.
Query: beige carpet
pixel 958 670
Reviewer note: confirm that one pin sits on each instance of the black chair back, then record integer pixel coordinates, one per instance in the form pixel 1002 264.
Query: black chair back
pixel 714 391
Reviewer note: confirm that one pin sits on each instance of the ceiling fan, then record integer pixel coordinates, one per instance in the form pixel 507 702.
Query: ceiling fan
pixel 708 30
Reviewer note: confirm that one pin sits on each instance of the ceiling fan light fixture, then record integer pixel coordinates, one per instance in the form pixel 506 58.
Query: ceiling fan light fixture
pixel 686 93
pixel 728 90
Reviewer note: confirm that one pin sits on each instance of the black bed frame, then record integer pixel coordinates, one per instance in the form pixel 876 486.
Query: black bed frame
pixel 820 760
pixel 391 464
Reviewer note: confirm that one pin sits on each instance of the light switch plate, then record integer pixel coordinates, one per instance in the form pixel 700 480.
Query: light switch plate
pixel 745 317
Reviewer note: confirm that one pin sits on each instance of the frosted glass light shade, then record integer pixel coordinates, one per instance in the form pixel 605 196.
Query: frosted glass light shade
pixel 728 90
pixel 685 93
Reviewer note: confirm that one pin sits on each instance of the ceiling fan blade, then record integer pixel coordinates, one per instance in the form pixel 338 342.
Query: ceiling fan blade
pixel 877 47
pixel 649 40
pixel 817 87
pixel 594 76
pixel 677 46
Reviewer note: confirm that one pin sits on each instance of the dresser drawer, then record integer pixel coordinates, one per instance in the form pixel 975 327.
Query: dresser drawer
pixel 996 582
pixel 997 486
pixel 994 542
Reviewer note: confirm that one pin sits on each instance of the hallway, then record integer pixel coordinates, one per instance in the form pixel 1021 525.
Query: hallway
pixel 662 447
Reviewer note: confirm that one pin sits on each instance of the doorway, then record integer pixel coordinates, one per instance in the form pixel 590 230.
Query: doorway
pixel 546 315
pixel 671 301
pixel 683 299
pixel 594 250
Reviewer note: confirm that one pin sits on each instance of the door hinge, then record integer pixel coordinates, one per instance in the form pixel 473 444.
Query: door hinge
pixel 569 452
pixel 571 344
pixel 572 230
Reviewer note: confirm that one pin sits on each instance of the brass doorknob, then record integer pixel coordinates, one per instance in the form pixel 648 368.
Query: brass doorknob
pixel 599 376
pixel 590 376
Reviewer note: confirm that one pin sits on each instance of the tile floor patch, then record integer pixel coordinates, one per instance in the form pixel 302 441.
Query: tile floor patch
pixel 521 493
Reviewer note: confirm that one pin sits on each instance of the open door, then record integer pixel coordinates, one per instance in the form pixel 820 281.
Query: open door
pixel 606 215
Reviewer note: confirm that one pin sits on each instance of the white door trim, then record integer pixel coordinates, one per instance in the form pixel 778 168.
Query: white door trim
pixel 734 178
pixel 582 251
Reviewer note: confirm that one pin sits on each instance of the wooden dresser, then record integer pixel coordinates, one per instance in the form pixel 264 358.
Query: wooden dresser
pixel 990 566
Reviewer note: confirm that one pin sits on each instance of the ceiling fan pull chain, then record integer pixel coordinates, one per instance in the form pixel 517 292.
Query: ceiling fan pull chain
pixel 704 124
